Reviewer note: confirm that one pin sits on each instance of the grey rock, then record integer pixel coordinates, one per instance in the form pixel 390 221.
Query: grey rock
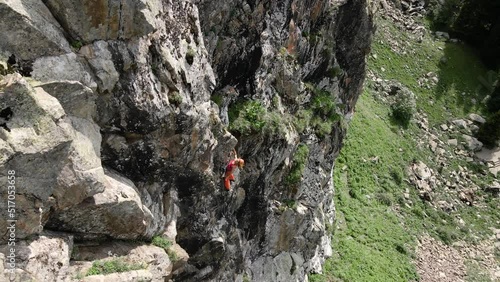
pixel 45 258
pixel 421 171
pixel 100 58
pixel 76 99
pixel 64 67
pixel 181 255
pixel 494 188
pixel 55 156
pixel 433 145
pixel 25 22
pixel 472 143
pixel 444 127
pixel 443 35
pixel 166 138
pixel 460 123
pixel 474 128
pixel 477 118
pixel 89 21
pixel 117 212
pixel 452 142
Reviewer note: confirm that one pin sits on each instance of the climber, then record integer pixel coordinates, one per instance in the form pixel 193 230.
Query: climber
pixel 231 166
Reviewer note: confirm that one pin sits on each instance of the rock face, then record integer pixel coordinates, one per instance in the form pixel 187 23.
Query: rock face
pixel 144 98
pixel 26 22
pixel 55 156
pixel 105 19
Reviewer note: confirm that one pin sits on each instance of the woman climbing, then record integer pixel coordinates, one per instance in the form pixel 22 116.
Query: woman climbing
pixel 231 166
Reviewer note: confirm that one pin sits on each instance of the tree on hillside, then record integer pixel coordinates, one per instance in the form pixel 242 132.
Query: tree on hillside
pixel 476 22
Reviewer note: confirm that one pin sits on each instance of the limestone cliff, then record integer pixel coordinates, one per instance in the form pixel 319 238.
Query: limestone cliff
pixel 127 113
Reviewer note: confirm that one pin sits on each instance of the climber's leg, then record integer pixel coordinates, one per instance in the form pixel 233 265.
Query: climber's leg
pixel 227 181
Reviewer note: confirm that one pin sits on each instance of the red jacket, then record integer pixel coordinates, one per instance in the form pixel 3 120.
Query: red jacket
pixel 230 166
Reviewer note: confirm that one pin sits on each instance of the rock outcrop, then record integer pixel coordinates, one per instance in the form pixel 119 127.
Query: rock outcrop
pixel 124 135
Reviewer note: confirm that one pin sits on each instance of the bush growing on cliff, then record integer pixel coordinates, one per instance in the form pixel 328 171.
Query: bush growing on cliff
pixel 161 242
pixel 252 117
pixel 299 163
pixel 166 245
pixel 320 114
pixel 404 106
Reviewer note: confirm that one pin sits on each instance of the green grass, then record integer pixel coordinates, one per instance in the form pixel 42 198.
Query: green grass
pixel 376 227
pixel 112 266
pixel 370 243
pixel 299 163
pixel 462 73
pixel 161 242
pixel 165 244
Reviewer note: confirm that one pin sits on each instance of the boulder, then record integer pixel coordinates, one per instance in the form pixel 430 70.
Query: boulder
pixel 442 35
pixel 105 19
pixel 460 123
pixel 421 171
pixel 453 142
pixel 24 22
pixel 477 118
pixel 180 255
pixel 472 143
pixel 45 258
pixel 117 212
pixel 54 156
pixel 494 189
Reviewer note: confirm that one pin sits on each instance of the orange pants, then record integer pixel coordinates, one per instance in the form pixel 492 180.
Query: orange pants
pixel 227 181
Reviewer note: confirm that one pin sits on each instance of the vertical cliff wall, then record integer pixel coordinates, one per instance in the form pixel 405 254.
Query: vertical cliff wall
pixel 132 108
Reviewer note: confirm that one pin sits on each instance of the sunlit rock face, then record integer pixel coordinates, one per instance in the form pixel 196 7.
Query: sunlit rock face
pixel 125 134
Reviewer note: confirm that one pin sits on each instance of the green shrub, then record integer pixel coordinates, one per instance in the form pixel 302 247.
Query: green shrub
pixel 174 97
pixel 298 165
pixel 112 266
pixel 384 198
pixel 190 56
pixel 447 235
pixel 444 13
pixel 302 120
pixel 404 106
pixel 321 127
pixel 161 242
pixel 250 118
pixel 164 243
pixel 76 44
pixel 322 112
pixel 217 99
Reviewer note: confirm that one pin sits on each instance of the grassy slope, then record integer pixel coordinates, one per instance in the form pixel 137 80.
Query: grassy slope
pixel 376 228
